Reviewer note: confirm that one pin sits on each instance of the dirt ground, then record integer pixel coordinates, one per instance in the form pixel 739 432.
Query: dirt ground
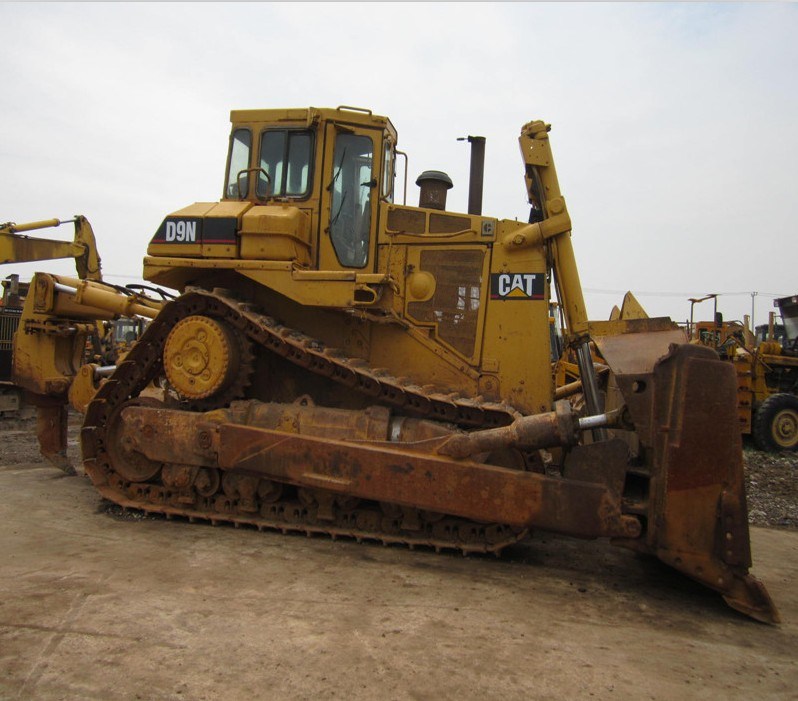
pixel 96 606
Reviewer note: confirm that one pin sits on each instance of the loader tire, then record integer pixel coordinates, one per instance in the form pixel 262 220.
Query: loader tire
pixel 776 423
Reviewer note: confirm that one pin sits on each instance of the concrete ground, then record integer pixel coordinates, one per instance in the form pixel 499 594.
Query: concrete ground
pixel 97 607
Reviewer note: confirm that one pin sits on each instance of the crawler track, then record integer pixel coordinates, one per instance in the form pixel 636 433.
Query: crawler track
pixel 291 510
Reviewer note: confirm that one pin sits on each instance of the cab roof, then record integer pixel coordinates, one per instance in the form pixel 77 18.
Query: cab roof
pixel 310 115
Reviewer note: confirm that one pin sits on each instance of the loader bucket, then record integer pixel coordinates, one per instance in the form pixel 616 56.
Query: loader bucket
pixel 684 411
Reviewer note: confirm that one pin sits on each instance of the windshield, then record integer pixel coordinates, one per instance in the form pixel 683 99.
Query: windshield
pixel 126 330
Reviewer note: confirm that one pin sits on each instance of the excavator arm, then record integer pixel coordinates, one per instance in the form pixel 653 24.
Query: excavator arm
pixel 59 316
pixel 16 247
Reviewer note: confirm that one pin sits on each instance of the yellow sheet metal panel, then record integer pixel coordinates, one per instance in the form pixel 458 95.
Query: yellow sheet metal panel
pixel 220 227
pixel 343 115
pixel 408 224
pixel 401 351
pixel 276 232
pixel 516 352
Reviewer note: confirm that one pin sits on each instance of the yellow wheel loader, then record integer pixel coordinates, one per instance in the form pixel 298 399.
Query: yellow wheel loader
pixel 340 363
pixel 767 373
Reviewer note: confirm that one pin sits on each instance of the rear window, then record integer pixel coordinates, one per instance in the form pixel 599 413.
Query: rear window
pixel 285 163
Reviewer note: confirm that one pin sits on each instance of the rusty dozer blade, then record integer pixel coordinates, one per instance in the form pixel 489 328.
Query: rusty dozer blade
pixel 684 411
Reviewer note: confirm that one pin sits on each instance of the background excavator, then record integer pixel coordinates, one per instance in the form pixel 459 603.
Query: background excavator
pixel 16 246
pixel 339 363
pixel 50 338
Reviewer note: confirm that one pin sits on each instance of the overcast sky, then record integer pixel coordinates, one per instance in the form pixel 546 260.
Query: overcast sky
pixel 673 125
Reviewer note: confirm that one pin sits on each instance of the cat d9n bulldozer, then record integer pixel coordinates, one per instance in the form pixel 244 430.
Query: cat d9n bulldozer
pixel 339 363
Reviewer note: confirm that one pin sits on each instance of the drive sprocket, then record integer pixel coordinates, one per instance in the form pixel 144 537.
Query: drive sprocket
pixel 206 362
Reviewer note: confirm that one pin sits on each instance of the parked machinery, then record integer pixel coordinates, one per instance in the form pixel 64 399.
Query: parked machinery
pixel 767 373
pixel 17 246
pixel 339 363
pixel 47 325
pixel 775 425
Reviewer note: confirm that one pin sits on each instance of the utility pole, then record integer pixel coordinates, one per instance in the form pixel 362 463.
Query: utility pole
pixel 753 321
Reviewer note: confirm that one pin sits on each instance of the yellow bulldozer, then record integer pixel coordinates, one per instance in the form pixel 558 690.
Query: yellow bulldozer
pixel 340 363
pixel 50 329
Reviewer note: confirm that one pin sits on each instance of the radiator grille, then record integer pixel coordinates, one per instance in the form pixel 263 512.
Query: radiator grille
pixel 9 322
pixel 455 305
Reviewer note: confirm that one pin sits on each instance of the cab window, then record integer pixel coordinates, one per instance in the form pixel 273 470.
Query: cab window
pixel 240 145
pixel 285 163
pixel 350 213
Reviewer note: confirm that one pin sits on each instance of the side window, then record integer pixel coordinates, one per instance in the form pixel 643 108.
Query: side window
pixel 285 157
pixel 240 146
pixel 350 218
pixel 297 172
pixel 272 146
pixel 387 172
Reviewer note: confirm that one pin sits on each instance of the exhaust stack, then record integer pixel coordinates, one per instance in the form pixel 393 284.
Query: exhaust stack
pixel 477 174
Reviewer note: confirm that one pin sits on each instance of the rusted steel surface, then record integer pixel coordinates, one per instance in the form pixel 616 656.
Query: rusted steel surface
pixel 636 353
pixel 604 463
pixel 555 428
pixel 683 407
pixel 460 488
pixel 698 461
pixel 51 431
pixel 372 423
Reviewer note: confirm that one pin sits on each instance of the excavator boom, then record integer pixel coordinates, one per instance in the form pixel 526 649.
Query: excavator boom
pixel 44 343
pixel 16 247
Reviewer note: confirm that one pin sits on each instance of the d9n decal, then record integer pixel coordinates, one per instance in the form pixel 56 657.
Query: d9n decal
pixel 197 230
pixel 516 286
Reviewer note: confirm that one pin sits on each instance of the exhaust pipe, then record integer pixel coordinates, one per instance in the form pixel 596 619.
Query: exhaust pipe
pixel 477 174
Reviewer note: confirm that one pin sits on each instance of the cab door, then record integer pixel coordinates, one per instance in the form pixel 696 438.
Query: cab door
pixel 349 198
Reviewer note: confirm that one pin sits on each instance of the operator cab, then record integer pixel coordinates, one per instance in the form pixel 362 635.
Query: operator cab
pixel 302 187
pixel 333 165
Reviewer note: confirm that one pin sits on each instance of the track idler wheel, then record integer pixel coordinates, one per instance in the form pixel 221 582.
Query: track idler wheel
pixel 202 357
pixel 127 462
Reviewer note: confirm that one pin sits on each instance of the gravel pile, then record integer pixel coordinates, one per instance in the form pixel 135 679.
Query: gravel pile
pixel 771 484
